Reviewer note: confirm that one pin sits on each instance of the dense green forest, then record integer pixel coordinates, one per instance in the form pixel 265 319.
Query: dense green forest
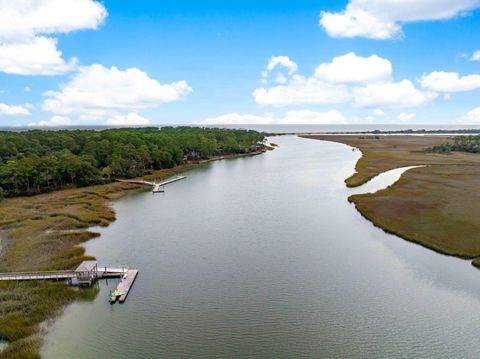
pixel 459 143
pixel 37 161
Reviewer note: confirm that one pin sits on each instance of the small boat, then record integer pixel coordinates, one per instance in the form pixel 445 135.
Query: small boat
pixel 114 296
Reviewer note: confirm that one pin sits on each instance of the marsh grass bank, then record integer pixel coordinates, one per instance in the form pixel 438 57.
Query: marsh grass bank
pixel 44 232
pixel 437 206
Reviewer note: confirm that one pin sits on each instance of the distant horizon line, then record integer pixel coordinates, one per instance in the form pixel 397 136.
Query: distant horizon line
pixel 299 128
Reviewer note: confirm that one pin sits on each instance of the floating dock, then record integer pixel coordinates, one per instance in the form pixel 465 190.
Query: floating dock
pixel 126 284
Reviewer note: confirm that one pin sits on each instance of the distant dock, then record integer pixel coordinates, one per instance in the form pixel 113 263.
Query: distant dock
pixel 156 187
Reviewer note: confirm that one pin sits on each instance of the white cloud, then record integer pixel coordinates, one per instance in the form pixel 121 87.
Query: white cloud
pixel 130 119
pixel 282 61
pixel 37 56
pixel 236 119
pixel 291 117
pixel 312 117
pixel 12 110
pixel 475 56
pixel 366 81
pixel 24 48
pixel 97 92
pixel 393 94
pixel 20 20
pixel 442 81
pixel 471 118
pixel 301 90
pixel 357 22
pixel 351 68
pixel 378 112
pixel 383 19
pixel 405 117
pixel 55 121
pixel 281 79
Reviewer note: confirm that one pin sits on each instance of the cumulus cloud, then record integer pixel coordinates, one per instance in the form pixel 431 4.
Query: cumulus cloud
pixel 97 92
pixel 442 81
pixel 55 121
pixel 472 117
pixel 312 117
pixel 393 94
pixel 24 47
pixel 27 18
pixel 281 79
pixel 301 90
pixel 37 56
pixel 291 117
pixel 475 56
pixel 405 117
pixel 12 110
pixel 283 61
pixel 383 19
pixel 378 112
pixel 351 68
pixel 364 81
pixel 130 119
pixel 237 119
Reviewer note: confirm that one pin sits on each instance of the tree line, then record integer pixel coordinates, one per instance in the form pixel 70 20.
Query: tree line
pixel 459 143
pixel 38 161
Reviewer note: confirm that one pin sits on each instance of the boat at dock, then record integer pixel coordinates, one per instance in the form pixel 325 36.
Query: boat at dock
pixel 114 296
pixel 124 286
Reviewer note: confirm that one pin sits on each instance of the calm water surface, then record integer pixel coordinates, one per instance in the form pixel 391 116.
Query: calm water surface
pixel 264 257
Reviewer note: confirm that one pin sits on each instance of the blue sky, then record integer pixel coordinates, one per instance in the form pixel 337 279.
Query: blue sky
pixel 139 62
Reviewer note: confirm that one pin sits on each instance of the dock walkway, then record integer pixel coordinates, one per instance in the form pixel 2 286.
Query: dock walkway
pixel 53 275
pixel 154 183
pixel 126 284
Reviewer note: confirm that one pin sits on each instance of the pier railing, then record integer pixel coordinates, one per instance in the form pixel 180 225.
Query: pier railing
pixel 39 275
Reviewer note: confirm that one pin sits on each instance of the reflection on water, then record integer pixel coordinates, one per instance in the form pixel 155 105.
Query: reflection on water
pixel 264 257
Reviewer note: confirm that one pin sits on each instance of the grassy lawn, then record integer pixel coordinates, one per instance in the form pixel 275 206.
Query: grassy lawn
pixel 436 206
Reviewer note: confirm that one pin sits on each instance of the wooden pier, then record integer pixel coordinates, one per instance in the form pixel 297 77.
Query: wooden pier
pixel 53 275
pixel 126 284
pixel 156 187
pixel 86 273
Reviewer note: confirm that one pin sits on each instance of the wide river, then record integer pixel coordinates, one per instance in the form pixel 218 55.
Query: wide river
pixel 264 257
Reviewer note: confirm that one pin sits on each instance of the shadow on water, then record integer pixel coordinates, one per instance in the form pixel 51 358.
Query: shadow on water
pixel 89 294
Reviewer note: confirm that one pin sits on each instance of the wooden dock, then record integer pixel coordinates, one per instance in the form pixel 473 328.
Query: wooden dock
pixel 20 276
pixel 154 184
pixel 85 274
pixel 126 284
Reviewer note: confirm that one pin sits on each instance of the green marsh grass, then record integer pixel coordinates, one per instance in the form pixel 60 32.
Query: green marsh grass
pixel 44 232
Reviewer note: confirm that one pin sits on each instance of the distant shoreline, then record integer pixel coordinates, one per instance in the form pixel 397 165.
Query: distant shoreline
pixel 383 132
pixel 277 129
